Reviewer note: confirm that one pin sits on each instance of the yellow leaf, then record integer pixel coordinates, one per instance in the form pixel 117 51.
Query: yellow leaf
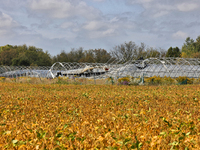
pixel 101 138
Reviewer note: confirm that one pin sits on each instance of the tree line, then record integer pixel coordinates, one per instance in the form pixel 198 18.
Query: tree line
pixel 24 55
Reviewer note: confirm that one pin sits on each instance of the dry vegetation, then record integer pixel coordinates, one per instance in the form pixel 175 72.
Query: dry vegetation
pixel 59 80
pixel 128 80
pixel 55 116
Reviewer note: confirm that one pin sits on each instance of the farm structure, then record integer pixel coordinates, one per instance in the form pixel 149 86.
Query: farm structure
pixel 169 67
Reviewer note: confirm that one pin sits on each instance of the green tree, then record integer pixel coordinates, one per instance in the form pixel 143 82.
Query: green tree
pixel 7 55
pixel 197 44
pixel 101 55
pixel 153 52
pixel 75 55
pixel 44 59
pixel 88 57
pixel 80 55
pixel 191 48
pixel 24 55
pixel 62 57
pixel 21 60
pixel 173 52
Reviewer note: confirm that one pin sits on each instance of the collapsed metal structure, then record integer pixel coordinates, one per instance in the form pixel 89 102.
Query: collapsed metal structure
pixel 170 67
pixel 23 71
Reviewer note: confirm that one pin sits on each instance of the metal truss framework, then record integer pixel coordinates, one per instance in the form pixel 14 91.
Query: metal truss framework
pixel 19 71
pixel 170 67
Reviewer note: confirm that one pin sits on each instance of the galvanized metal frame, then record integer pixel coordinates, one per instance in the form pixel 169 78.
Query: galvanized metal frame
pixel 160 66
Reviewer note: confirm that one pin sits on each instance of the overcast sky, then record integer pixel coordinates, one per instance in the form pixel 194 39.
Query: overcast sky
pixel 56 25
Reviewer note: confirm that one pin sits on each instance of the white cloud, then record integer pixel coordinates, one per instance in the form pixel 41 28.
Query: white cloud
pixel 66 25
pixel 93 25
pixel 115 19
pixel 6 21
pixel 63 8
pixel 154 7
pixel 99 0
pixel 144 3
pixel 141 1
pixel 160 13
pixel 98 29
pixel 180 35
pixel 102 34
pixel 188 6
pixel 7 24
pixel 109 32
pixel 57 9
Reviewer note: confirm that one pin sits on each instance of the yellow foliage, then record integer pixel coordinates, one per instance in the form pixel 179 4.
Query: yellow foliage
pixel 2 78
pixel 154 79
pixel 53 116
pixel 184 55
pixel 168 80
pixel 186 79
pixel 121 80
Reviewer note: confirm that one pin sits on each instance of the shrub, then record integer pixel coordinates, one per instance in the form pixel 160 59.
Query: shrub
pixel 154 80
pixel 168 80
pixel 124 81
pixel 62 80
pixel 184 80
pixel 2 78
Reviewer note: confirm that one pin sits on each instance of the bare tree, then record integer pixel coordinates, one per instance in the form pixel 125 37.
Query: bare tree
pixel 129 51
pixel 125 52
